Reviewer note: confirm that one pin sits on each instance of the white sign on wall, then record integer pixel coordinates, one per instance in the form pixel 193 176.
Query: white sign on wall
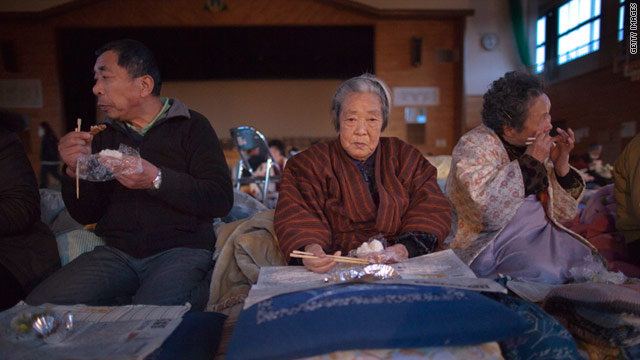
pixel 416 96
pixel 20 93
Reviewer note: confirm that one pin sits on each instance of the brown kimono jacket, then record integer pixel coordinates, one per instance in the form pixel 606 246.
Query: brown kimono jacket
pixel 324 198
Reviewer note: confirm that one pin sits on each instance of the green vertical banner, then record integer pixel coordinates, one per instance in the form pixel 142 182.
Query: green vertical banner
pixel 519 30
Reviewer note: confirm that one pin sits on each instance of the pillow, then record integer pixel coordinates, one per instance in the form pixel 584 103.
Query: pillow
pixel 197 337
pixel 545 337
pixel 51 204
pixel 368 316
pixel 244 206
pixel 74 243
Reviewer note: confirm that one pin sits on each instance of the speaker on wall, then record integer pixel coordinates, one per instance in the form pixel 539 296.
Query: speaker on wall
pixel 9 56
pixel 416 51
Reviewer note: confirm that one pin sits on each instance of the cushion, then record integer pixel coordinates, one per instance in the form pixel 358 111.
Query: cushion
pixel 368 316
pixel 244 206
pixel 51 204
pixel 197 337
pixel 74 243
pixel 545 337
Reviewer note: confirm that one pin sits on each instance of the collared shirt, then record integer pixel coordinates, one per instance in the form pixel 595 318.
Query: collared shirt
pixel 143 131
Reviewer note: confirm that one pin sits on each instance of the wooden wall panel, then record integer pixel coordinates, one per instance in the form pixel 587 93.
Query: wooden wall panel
pixel 600 101
pixel 37 51
pixel 393 64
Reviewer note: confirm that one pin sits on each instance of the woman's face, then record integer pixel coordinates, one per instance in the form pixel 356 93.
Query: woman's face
pixel 360 124
pixel 538 121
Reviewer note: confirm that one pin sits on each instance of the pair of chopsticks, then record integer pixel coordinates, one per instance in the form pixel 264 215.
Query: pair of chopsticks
pixel 77 167
pixel 344 259
pixel 532 139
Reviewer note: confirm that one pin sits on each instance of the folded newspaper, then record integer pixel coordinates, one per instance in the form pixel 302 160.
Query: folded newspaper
pixel 442 268
pixel 121 332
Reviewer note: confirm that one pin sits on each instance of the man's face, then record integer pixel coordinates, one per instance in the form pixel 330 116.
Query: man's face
pixel 118 94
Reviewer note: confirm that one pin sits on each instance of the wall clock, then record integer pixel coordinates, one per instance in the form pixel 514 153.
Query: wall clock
pixel 489 41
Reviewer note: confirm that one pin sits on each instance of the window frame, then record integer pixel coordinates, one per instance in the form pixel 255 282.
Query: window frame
pixel 608 41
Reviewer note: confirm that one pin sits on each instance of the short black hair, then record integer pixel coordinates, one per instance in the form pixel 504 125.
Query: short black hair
pixel 507 101
pixel 278 145
pixel 137 59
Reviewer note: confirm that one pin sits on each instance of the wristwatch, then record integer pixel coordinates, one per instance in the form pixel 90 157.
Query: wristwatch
pixel 158 180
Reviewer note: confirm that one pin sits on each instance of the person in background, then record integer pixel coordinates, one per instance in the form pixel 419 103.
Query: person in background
pixel 277 150
pixel 28 248
pixel 157 224
pixel 292 152
pixel 600 174
pixel 49 157
pixel 511 186
pixel 627 193
pixel 337 195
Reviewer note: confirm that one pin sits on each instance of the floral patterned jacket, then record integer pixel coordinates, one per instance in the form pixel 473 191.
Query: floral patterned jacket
pixel 486 189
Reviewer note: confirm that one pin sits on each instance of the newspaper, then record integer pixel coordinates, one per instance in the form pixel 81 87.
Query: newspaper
pixel 122 332
pixel 442 268
pixel 531 291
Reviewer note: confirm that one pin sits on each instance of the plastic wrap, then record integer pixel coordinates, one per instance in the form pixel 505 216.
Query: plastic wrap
pixel 593 270
pixel 375 251
pixel 108 164
pixel 364 272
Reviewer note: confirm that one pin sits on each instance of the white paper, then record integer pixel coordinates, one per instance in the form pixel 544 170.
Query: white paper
pixel 531 291
pixel 123 332
pixel 442 268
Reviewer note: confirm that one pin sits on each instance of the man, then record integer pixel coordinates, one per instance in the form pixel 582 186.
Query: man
pixel 158 223
pixel 627 193
pixel 28 250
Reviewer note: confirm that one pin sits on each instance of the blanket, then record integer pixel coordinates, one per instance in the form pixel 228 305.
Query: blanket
pixel 242 248
pixel 596 222
pixel 602 314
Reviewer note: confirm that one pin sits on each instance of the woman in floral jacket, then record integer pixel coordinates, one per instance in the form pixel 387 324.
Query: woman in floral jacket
pixel 511 186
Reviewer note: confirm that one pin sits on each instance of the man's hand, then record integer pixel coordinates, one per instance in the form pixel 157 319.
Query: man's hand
pixel 560 154
pixel 73 145
pixel 323 263
pixel 143 180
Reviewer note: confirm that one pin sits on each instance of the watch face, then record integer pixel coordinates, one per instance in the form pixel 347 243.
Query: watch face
pixel 489 41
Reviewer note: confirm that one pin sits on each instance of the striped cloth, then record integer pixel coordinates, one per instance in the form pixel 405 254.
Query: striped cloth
pixel 324 198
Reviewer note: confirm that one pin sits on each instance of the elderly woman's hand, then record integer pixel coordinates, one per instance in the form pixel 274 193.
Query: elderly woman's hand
pixel 398 252
pixel 540 147
pixel 560 154
pixel 323 263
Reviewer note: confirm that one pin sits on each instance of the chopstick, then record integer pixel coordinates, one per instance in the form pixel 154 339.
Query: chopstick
pixel 345 259
pixel 77 167
pixel 532 139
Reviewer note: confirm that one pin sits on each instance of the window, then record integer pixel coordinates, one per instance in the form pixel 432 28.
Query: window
pixel 621 21
pixel 578 29
pixel 541 37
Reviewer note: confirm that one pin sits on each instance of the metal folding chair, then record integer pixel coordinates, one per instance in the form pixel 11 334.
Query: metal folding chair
pixel 246 138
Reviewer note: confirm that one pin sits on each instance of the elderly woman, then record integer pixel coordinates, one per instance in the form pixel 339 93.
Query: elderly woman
pixel 336 195
pixel 511 186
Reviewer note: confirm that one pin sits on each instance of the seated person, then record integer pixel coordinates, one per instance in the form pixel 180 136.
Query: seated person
pixel 599 173
pixel 336 195
pixel 511 185
pixel 627 193
pixel 277 150
pixel 28 249
pixel 157 224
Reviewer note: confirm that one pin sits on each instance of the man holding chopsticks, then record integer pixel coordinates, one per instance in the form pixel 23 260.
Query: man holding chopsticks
pixel 157 223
